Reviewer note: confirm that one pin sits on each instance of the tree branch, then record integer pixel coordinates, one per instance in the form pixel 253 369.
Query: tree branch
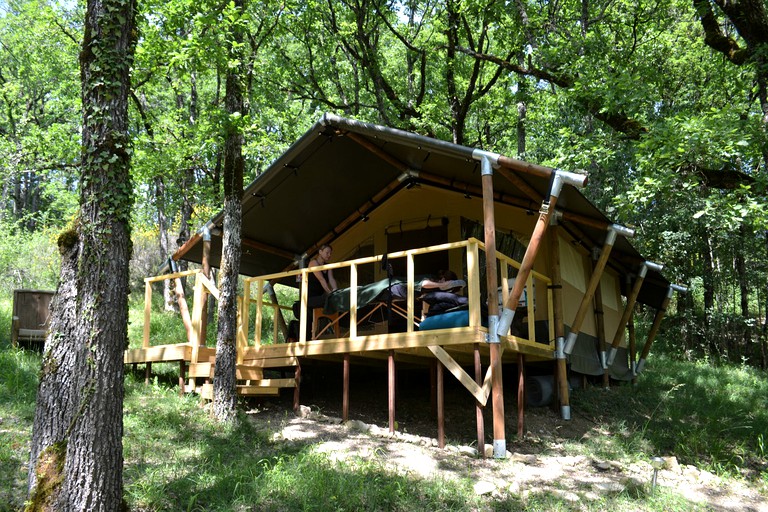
pixel 714 36
pixel 619 121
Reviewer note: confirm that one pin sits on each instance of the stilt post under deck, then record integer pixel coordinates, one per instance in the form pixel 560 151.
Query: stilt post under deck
pixel 297 389
pixel 520 395
pixel 391 390
pixel 479 406
pixel 345 392
pixel 440 406
pixel 557 314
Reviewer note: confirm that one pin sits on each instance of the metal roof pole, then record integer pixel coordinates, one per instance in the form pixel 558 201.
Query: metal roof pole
pixel 488 160
pixel 631 299
pixel 597 274
pixel 660 313
pixel 559 178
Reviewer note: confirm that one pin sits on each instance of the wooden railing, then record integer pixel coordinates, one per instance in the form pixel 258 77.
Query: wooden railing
pixel 194 324
pixel 471 247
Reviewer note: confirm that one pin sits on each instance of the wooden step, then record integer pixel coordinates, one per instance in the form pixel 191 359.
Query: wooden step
pixel 257 391
pixel 202 370
pixel 263 387
pixel 273 362
pixel 207 371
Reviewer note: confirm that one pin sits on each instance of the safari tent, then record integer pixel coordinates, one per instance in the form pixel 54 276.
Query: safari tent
pixel 547 278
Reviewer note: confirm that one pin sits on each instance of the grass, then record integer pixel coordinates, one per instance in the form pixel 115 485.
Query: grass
pixel 715 418
pixel 178 458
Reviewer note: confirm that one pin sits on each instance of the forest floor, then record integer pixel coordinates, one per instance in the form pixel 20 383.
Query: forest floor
pixel 546 459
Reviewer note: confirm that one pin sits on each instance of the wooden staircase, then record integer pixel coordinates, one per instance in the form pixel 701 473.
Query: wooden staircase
pixel 250 379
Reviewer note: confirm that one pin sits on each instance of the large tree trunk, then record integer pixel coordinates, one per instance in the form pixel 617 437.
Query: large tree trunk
pixel 57 394
pixel 76 454
pixel 225 399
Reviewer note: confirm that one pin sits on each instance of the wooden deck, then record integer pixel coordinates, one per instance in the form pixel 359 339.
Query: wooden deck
pixel 454 348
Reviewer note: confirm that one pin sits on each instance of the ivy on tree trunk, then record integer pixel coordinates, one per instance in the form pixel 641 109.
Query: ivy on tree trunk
pixel 76 457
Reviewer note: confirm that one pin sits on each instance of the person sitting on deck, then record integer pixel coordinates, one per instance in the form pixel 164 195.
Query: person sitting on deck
pixel 447 280
pixel 320 282
pixel 443 294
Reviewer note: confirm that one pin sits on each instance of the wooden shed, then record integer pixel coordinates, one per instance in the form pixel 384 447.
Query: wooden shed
pixel 31 316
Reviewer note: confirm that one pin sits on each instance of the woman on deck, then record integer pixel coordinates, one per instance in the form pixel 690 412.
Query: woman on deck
pixel 321 282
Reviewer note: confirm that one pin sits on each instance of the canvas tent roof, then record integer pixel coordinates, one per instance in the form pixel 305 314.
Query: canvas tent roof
pixel 341 169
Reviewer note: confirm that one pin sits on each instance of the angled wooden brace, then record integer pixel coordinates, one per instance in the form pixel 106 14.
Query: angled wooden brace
pixel 594 282
pixel 631 300
pixel 656 323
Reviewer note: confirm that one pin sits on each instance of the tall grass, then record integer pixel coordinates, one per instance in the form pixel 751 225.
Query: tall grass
pixel 178 458
pixel 714 417
pixel 18 387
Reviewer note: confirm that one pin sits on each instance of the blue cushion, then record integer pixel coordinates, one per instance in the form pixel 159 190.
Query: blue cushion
pixel 445 321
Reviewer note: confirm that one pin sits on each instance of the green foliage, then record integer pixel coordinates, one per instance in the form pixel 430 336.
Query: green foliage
pixel 310 480
pixel 27 259
pixel 39 110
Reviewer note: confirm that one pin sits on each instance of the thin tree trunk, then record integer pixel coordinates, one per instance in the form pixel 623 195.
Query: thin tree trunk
pixel 741 272
pixel 76 454
pixel 522 114
pixel 225 398
pixel 169 297
pixel 764 342
pixel 709 293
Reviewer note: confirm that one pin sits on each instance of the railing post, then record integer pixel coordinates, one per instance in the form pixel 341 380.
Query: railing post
pixel 473 285
pixel 245 318
pixel 259 310
pixel 304 297
pixel 197 315
pixel 352 305
pixel 147 311
pixel 411 294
